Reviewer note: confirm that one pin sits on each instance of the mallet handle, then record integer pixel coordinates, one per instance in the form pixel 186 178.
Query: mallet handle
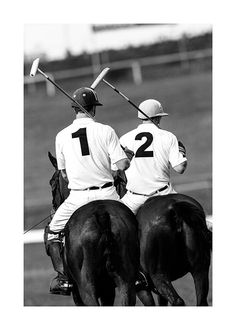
pixel 127 99
pixel 99 78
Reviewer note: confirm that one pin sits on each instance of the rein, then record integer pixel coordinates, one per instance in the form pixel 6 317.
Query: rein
pixel 38 223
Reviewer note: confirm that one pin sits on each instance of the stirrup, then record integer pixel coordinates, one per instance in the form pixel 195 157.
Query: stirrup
pixel 60 285
pixel 141 282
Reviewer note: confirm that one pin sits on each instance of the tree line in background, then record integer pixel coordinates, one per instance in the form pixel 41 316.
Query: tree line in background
pixel 160 48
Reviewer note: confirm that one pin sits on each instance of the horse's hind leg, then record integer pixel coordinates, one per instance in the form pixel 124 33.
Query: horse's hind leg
pixel 83 292
pixel 86 287
pixel 107 295
pixel 106 290
pixel 146 298
pixel 201 281
pixel 128 295
pixel 88 294
pixel 198 256
pixel 76 296
pixel 166 290
pixel 127 292
pixel 161 300
pixel 88 290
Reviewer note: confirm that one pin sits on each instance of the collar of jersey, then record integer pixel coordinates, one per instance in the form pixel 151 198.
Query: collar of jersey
pixel 151 125
pixel 83 121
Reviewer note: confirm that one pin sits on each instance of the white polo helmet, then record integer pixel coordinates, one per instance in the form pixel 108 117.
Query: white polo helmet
pixel 152 108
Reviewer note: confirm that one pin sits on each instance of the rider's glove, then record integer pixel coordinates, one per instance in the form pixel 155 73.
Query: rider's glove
pixel 129 153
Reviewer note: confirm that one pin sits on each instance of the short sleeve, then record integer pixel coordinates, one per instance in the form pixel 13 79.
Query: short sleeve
pixel 175 157
pixel 123 141
pixel 59 154
pixel 126 140
pixel 115 151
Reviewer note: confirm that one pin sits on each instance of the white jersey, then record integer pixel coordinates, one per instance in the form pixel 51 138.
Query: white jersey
pixel 154 151
pixel 86 149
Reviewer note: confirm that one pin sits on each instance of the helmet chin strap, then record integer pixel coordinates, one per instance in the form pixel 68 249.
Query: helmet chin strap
pixel 92 113
pixel 153 121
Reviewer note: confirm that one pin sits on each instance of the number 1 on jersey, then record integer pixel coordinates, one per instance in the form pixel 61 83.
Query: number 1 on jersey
pixel 82 135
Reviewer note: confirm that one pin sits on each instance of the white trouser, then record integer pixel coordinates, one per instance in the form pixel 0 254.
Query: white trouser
pixel 75 200
pixel 134 201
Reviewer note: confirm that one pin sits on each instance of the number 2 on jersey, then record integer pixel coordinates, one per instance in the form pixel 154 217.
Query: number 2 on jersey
pixel 82 135
pixel 142 152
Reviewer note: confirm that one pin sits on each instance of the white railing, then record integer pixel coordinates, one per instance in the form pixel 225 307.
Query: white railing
pixel 134 64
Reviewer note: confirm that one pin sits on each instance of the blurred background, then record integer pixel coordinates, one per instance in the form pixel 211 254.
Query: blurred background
pixel 169 62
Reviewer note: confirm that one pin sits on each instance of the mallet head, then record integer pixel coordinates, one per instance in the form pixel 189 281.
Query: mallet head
pixel 99 78
pixel 34 67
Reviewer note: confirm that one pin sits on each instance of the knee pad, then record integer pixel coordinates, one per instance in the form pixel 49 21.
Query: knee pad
pixel 51 237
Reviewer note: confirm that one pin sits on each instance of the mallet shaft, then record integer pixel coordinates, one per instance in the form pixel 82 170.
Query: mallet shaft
pixel 65 93
pixel 43 73
pixel 127 99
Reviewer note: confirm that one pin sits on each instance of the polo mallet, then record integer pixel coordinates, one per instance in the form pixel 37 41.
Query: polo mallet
pixel 99 78
pixel 35 68
pixel 127 99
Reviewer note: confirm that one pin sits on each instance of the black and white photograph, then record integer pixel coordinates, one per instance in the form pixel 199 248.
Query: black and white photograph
pixel 118 164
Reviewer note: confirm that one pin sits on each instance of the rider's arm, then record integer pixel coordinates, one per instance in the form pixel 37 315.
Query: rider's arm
pixel 59 153
pixel 125 141
pixel 123 164
pixel 118 157
pixel 181 167
pixel 177 156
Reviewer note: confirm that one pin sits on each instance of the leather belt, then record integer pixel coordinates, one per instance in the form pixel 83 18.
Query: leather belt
pixel 159 190
pixel 106 185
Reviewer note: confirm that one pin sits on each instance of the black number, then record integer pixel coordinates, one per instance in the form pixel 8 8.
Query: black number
pixel 142 152
pixel 82 135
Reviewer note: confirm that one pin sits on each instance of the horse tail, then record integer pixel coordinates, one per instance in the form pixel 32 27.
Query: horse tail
pixel 194 217
pixel 107 239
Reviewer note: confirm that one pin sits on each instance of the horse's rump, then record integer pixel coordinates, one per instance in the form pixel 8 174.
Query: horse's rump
pixel 104 235
pixel 172 226
pixel 193 216
pixel 97 234
pixel 176 205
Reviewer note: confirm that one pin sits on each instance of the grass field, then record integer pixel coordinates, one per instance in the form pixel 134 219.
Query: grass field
pixel 188 101
pixel 39 272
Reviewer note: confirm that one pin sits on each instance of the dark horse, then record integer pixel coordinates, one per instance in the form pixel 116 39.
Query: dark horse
pixel 101 251
pixel 174 240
